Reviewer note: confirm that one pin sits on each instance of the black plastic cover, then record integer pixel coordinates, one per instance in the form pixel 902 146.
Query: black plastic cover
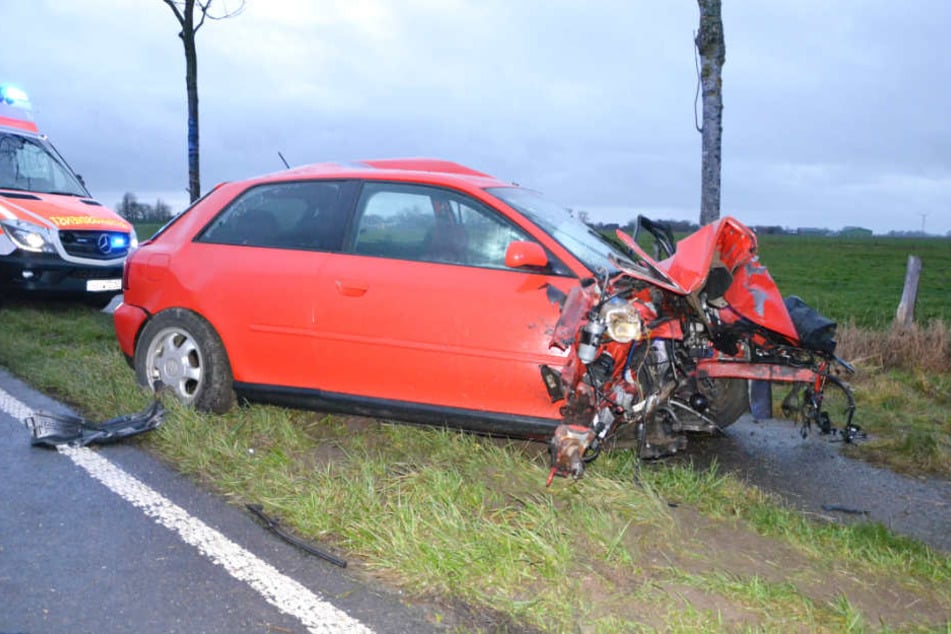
pixel 815 331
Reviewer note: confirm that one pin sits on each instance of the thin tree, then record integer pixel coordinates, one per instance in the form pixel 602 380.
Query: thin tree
pixel 712 50
pixel 185 14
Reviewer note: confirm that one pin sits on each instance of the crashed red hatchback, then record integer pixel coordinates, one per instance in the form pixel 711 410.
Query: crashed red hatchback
pixel 412 289
pixel 424 291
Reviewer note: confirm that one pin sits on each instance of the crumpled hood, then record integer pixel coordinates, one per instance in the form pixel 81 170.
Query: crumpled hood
pixel 727 242
pixel 60 212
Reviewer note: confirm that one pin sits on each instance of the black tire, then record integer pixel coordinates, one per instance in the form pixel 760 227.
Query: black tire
pixel 182 351
pixel 727 400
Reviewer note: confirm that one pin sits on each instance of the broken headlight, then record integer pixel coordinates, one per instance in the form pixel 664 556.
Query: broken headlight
pixel 623 323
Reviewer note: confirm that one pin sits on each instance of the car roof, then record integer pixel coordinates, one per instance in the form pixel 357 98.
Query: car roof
pixel 419 169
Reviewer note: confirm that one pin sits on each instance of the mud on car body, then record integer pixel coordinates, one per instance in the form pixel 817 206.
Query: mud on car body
pixel 54 237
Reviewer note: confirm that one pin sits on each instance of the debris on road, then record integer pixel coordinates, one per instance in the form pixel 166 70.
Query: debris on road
pixel 51 430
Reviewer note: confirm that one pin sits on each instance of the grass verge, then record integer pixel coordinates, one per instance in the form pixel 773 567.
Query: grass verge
pixel 455 519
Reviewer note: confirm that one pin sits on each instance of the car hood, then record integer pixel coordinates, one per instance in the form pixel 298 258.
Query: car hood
pixel 60 212
pixel 729 243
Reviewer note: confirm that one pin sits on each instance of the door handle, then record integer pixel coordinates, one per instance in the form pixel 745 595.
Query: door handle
pixel 352 288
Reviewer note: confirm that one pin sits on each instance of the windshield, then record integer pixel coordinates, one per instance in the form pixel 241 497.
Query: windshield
pixel 585 243
pixel 28 164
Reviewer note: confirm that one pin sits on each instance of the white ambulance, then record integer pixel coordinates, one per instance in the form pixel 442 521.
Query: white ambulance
pixel 54 237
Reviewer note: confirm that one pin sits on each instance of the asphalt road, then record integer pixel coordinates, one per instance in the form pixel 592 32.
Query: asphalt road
pixel 813 475
pixel 109 540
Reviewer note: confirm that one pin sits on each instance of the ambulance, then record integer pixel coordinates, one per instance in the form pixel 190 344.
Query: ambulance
pixel 54 237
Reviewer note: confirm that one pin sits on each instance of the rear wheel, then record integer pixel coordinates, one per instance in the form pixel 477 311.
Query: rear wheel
pixel 181 352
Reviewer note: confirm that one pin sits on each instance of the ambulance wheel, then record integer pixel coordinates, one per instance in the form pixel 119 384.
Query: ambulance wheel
pixel 180 352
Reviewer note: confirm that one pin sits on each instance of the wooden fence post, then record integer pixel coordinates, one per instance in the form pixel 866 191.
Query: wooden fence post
pixel 905 317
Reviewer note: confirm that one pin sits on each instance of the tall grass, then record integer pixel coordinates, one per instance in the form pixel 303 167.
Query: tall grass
pixel 914 349
pixel 903 393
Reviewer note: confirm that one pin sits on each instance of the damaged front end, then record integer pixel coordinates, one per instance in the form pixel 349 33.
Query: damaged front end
pixel 660 348
pixel 615 385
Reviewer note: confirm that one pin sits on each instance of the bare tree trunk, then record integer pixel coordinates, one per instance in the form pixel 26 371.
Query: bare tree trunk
pixel 184 11
pixel 712 49
pixel 191 90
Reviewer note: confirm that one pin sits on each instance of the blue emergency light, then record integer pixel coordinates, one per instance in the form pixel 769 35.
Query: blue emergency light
pixel 118 241
pixel 14 96
pixel 15 110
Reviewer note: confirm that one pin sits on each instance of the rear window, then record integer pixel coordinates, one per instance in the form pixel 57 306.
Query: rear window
pixel 288 215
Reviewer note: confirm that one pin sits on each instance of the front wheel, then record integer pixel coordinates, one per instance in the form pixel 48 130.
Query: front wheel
pixel 725 400
pixel 181 352
pixel 729 399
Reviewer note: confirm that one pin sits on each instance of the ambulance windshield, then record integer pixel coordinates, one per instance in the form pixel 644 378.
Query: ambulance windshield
pixel 28 164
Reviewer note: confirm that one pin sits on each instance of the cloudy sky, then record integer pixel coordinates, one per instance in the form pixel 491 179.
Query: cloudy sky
pixel 836 112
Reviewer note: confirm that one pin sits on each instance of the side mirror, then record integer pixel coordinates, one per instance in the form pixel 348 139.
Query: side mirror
pixel 522 253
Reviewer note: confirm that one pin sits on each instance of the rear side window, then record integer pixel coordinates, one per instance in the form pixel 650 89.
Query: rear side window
pixel 429 224
pixel 298 215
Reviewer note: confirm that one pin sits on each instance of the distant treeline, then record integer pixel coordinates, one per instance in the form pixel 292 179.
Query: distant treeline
pixel 134 211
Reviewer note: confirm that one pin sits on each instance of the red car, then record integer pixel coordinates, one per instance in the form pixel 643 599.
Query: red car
pixel 411 289
pixel 426 291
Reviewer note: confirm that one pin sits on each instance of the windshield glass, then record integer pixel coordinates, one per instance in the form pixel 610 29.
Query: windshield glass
pixel 585 243
pixel 27 164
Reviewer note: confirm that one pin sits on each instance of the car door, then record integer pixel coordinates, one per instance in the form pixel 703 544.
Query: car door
pixel 253 273
pixel 421 307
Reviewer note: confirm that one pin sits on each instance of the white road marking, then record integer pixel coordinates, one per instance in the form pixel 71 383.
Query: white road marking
pixel 279 590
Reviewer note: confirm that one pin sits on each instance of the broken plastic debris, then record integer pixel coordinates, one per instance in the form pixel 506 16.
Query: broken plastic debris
pixel 58 429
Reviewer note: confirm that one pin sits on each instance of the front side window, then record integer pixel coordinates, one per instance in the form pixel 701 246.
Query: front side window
pixel 585 243
pixel 27 164
pixel 429 224
pixel 297 215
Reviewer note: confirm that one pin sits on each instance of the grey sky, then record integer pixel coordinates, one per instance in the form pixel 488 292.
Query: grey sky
pixel 836 111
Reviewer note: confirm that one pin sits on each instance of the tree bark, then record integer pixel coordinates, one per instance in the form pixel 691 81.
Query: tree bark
pixel 184 11
pixel 712 48
pixel 191 90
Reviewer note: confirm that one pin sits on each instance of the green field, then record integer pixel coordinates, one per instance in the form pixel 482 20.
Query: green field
pixel 860 279
pixel 144 230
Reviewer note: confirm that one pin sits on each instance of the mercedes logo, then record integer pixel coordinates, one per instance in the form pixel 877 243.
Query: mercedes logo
pixel 104 243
